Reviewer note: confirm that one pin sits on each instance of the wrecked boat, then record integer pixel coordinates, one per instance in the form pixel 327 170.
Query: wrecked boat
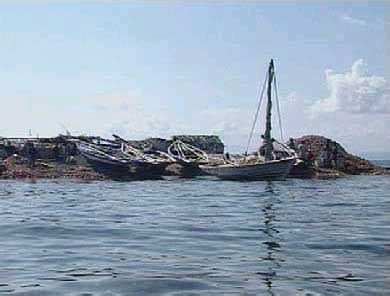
pixel 111 161
pixel 150 155
pixel 188 158
pixel 186 153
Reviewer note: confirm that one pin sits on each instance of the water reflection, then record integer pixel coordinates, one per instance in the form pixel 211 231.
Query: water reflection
pixel 267 206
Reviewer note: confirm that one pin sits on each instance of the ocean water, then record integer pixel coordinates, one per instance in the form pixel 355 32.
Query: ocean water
pixel 382 163
pixel 192 237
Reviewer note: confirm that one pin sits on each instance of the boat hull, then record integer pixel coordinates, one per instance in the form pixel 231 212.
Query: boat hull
pixel 134 170
pixel 184 169
pixel 272 170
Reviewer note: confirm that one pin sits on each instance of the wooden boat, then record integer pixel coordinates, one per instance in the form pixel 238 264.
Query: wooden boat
pixel 188 158
pixel 186 153
pixel 152 156
pixel 115 164
pixel 268 165
pixel 154 160
pixel 274 169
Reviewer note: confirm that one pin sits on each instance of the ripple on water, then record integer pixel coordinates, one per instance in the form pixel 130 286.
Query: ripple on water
pixel 195 237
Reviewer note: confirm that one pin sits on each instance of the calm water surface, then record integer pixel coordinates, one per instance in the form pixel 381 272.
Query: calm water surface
pixel 195 237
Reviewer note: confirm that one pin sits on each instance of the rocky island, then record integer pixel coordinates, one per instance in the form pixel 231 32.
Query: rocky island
pixel 345 163
pixel 56 160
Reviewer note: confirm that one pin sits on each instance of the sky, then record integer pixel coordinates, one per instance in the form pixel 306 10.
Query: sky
pixel 156 70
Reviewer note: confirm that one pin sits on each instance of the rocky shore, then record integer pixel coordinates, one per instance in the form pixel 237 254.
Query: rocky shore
pixel 315 148
pixel 17 167
pixel 55 164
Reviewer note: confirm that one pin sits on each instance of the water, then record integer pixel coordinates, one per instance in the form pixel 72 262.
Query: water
pixel 382 163
pixel 195 237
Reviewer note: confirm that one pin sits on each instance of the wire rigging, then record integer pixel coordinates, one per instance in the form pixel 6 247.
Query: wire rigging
pixel 278 107
pixel 256 114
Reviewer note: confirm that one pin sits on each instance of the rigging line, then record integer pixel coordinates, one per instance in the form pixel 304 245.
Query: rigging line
pixel 257 113
pixel 278 107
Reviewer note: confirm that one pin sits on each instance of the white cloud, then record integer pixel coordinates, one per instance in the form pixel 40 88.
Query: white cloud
pixel 352 20
pixel 233 123
pixel 355 91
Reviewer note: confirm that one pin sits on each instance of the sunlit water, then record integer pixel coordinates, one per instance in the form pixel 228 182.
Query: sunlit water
pixel 195 237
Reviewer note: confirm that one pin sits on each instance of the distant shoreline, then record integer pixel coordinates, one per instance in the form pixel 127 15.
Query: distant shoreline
pixel 383 163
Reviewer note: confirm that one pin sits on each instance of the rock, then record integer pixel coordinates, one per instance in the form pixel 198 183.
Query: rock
pixel 15 160
pixel 346 162
pixel 151 143
pixel 16 167
pixel 3 168
pixel 208 143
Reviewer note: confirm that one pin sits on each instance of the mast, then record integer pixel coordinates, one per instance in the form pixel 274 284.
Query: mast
pixel 267 134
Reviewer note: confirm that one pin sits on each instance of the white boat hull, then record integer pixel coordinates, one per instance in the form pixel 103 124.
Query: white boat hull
pixel 276 169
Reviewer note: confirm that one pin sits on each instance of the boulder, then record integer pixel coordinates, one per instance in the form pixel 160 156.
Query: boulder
pixel 3 168
pixel 316 147
pixel 151 143
pixel 208 143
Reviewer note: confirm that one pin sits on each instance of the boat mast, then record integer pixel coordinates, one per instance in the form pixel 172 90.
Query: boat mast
pixel 267 134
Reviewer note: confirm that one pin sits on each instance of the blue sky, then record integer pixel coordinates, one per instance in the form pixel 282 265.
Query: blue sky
pixel 155 70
